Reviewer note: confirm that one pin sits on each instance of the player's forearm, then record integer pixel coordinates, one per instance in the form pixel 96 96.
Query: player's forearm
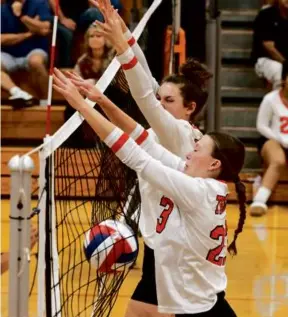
pixel 12 39
pixel 162 122
pixel 143 138
pixel 141 58
pixel 273 52
pixel 36 26
pixel 268 133
pixel 116 115
pixel 167 180
pixel 98 123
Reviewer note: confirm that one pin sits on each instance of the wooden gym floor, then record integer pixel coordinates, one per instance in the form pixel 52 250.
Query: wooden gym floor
pixel 257 277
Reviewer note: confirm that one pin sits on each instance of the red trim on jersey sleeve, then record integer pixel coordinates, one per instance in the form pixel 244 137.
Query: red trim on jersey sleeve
pixel 142 137
pixel 131 64
pixel 120 142
pixel 132 41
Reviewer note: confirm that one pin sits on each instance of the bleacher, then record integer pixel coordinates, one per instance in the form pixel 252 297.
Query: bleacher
pixel 241 92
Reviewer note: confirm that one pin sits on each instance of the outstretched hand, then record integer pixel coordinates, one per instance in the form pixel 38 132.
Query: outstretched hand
pixel 67 89
pixel 85 87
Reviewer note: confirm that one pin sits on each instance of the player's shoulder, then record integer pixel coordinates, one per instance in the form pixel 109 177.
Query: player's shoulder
pixel 190 129
pixel 216 186
pixel 212 184
pixel 271 96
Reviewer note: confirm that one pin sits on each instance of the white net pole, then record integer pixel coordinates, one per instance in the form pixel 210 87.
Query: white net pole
pixel 19 257
pixel 41 307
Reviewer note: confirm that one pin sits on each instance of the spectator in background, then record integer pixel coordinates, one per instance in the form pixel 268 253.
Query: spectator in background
pixel 270 46
pixel 272 123
pixel 24 45
pixel 98 55
pixel 74 14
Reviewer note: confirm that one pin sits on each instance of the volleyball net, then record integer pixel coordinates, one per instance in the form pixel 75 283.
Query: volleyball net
pixel 81 185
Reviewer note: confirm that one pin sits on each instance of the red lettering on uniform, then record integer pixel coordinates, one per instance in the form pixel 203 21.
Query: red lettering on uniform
pixel 284 125
pixel 162 220
pixel 213 256
pixel 221 204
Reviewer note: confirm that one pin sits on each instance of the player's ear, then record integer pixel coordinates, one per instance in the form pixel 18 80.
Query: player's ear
pixel 215 165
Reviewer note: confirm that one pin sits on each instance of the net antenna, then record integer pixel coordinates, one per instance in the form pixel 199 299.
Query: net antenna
pixel 70 191
pixel 175 42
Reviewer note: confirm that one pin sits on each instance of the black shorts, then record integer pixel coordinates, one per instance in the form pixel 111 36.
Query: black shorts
pixel 220 309
pixel 146 289
pixel 262 140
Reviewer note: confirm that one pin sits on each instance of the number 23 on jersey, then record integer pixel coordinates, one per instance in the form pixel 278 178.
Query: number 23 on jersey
pixel 219 233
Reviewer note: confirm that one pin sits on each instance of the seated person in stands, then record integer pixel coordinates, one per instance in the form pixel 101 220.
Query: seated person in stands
pixel 97 56
pixel 272 123
pixel 270 44
pixel 73 14
pixel 25 25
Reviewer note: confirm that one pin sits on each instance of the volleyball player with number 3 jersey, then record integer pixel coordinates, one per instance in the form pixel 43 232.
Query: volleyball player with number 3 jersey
pixel 272 123
pixel 183 97
pixel 191 241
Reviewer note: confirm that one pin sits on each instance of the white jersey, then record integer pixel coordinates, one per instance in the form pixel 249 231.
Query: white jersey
pixel 150 207
pixel 272 119
pixel 176 135
pixel 191 242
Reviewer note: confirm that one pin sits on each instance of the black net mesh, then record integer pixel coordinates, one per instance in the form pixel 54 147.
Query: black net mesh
pixel 91 185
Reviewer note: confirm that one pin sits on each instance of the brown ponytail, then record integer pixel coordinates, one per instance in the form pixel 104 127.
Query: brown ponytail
pixel 241 195
pixel 231 152
pixel 192 80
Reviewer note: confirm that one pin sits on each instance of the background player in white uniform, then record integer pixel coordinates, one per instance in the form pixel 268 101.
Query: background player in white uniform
pixel 272 123
pixel 191 242
pixel 183 96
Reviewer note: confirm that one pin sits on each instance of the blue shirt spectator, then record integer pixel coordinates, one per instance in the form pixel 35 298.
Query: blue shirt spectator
pixel 11 24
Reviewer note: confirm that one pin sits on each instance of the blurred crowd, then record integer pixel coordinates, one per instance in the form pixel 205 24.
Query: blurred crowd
pixel 26 33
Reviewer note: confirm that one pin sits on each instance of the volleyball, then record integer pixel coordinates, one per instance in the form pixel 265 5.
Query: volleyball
pixel 110 245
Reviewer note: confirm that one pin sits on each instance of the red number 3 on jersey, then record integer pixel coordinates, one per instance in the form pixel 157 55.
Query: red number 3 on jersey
pixel 162 220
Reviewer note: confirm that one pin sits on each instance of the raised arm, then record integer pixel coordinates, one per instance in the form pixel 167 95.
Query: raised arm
pixel 116 115
pixel 141 58
pixel 264 117
pixel 103 6
pixel 176 185
pixel 183 189
pixel 169 130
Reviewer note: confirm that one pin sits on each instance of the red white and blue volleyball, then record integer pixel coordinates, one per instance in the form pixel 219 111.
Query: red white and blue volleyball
pixel 110 245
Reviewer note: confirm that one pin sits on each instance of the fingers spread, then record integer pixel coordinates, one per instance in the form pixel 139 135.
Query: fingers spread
pixel 58 82
pixel 60 75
